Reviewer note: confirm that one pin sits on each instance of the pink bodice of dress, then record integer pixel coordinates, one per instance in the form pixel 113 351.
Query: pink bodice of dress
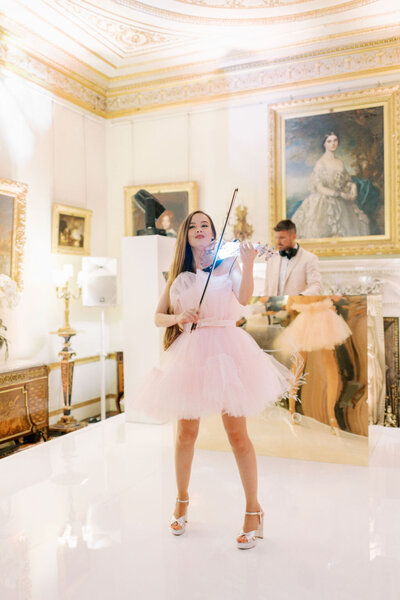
pixel 220 307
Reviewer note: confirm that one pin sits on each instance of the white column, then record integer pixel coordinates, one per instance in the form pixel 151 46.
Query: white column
pixel 144 260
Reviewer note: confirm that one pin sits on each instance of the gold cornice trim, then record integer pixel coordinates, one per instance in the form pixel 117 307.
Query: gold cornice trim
pixel 249 93
pixel 254 66
pixel 361 45
pixel 37 56
pixel 235 93
pixel 316 67
pixel 55 88
pixel 223 22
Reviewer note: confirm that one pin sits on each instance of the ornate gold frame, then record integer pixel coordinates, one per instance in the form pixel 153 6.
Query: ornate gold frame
pixel 185 186
pixel 18 191
pixel 388 97
pixel 72 211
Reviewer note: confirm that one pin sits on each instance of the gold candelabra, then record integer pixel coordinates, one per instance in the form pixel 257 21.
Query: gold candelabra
pixel 67 422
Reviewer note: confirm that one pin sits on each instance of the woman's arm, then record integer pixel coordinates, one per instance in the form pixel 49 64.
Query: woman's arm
pixel 243 281
pixel 163 319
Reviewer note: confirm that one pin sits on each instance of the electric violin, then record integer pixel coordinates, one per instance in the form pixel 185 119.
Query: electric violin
pixel 232 249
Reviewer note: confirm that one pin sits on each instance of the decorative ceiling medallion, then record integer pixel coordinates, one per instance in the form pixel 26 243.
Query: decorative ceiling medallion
pixel 331 7
pixel 125 36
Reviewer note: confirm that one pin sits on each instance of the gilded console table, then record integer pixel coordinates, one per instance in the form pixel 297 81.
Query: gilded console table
pixel 23 402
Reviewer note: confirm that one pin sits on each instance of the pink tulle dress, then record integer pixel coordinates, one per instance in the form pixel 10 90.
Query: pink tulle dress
pixel 217 368
pixel 316 327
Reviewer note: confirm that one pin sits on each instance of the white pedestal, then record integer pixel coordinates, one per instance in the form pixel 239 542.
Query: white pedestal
pixel 144 259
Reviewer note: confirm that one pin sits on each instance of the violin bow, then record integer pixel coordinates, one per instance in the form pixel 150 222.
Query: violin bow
pixel 216 253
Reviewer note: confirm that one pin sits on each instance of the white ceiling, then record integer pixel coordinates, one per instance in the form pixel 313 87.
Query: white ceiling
pixel 129 37
pixel 113 44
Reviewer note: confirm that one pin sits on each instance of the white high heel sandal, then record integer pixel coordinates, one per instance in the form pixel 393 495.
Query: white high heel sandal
pixel 181 521
pixel 251 536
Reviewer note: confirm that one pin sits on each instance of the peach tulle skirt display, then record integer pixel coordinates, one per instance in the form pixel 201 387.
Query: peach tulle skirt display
pixel 316 327
pixel 218 368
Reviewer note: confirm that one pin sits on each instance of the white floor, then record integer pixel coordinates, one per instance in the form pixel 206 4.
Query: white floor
pixel 86 516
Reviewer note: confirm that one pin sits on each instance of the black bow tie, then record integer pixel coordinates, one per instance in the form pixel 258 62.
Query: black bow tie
pixel 290 252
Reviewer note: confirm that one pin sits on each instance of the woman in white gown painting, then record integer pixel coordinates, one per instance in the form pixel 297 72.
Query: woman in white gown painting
pixel 330 210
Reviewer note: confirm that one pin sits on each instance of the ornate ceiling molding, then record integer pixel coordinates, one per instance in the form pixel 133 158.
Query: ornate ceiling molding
pixel 306 70
pixel 348 62
pixel 171 15
pixel 61 83
pixel 124 37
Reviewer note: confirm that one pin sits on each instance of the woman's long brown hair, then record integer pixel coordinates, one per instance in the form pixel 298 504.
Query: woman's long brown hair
pixel 183 261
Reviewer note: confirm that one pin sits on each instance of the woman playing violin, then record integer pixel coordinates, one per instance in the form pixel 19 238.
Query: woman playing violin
pixel 216 368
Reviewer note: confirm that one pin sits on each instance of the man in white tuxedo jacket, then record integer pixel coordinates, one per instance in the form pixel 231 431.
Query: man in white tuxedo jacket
pixel 294 270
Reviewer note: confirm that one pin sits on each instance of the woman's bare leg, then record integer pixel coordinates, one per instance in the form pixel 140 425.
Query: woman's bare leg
pixel 245 456
pixel 186 435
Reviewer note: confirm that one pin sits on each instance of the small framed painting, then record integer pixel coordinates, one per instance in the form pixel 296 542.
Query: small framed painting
pixel 71 230
pixel 178 199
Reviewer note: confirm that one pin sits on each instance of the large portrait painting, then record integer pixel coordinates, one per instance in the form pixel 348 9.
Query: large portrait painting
pixel 334 163
pixel 178 199
pixel 12 229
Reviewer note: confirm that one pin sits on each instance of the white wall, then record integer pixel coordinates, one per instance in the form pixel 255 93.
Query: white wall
pixel 60 152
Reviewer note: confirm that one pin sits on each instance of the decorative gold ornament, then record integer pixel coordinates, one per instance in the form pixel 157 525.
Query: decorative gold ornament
pixel 242 230
pixel 390 418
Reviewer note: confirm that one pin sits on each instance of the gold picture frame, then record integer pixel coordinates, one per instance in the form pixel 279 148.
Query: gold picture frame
pixel 368 149
pixel 12 231
pixel 179 200
pixel 70 232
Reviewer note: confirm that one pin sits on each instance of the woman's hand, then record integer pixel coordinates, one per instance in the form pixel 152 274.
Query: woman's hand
pixel 346 196
pixel 247 255
pixel 188 316
pixel 351 192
